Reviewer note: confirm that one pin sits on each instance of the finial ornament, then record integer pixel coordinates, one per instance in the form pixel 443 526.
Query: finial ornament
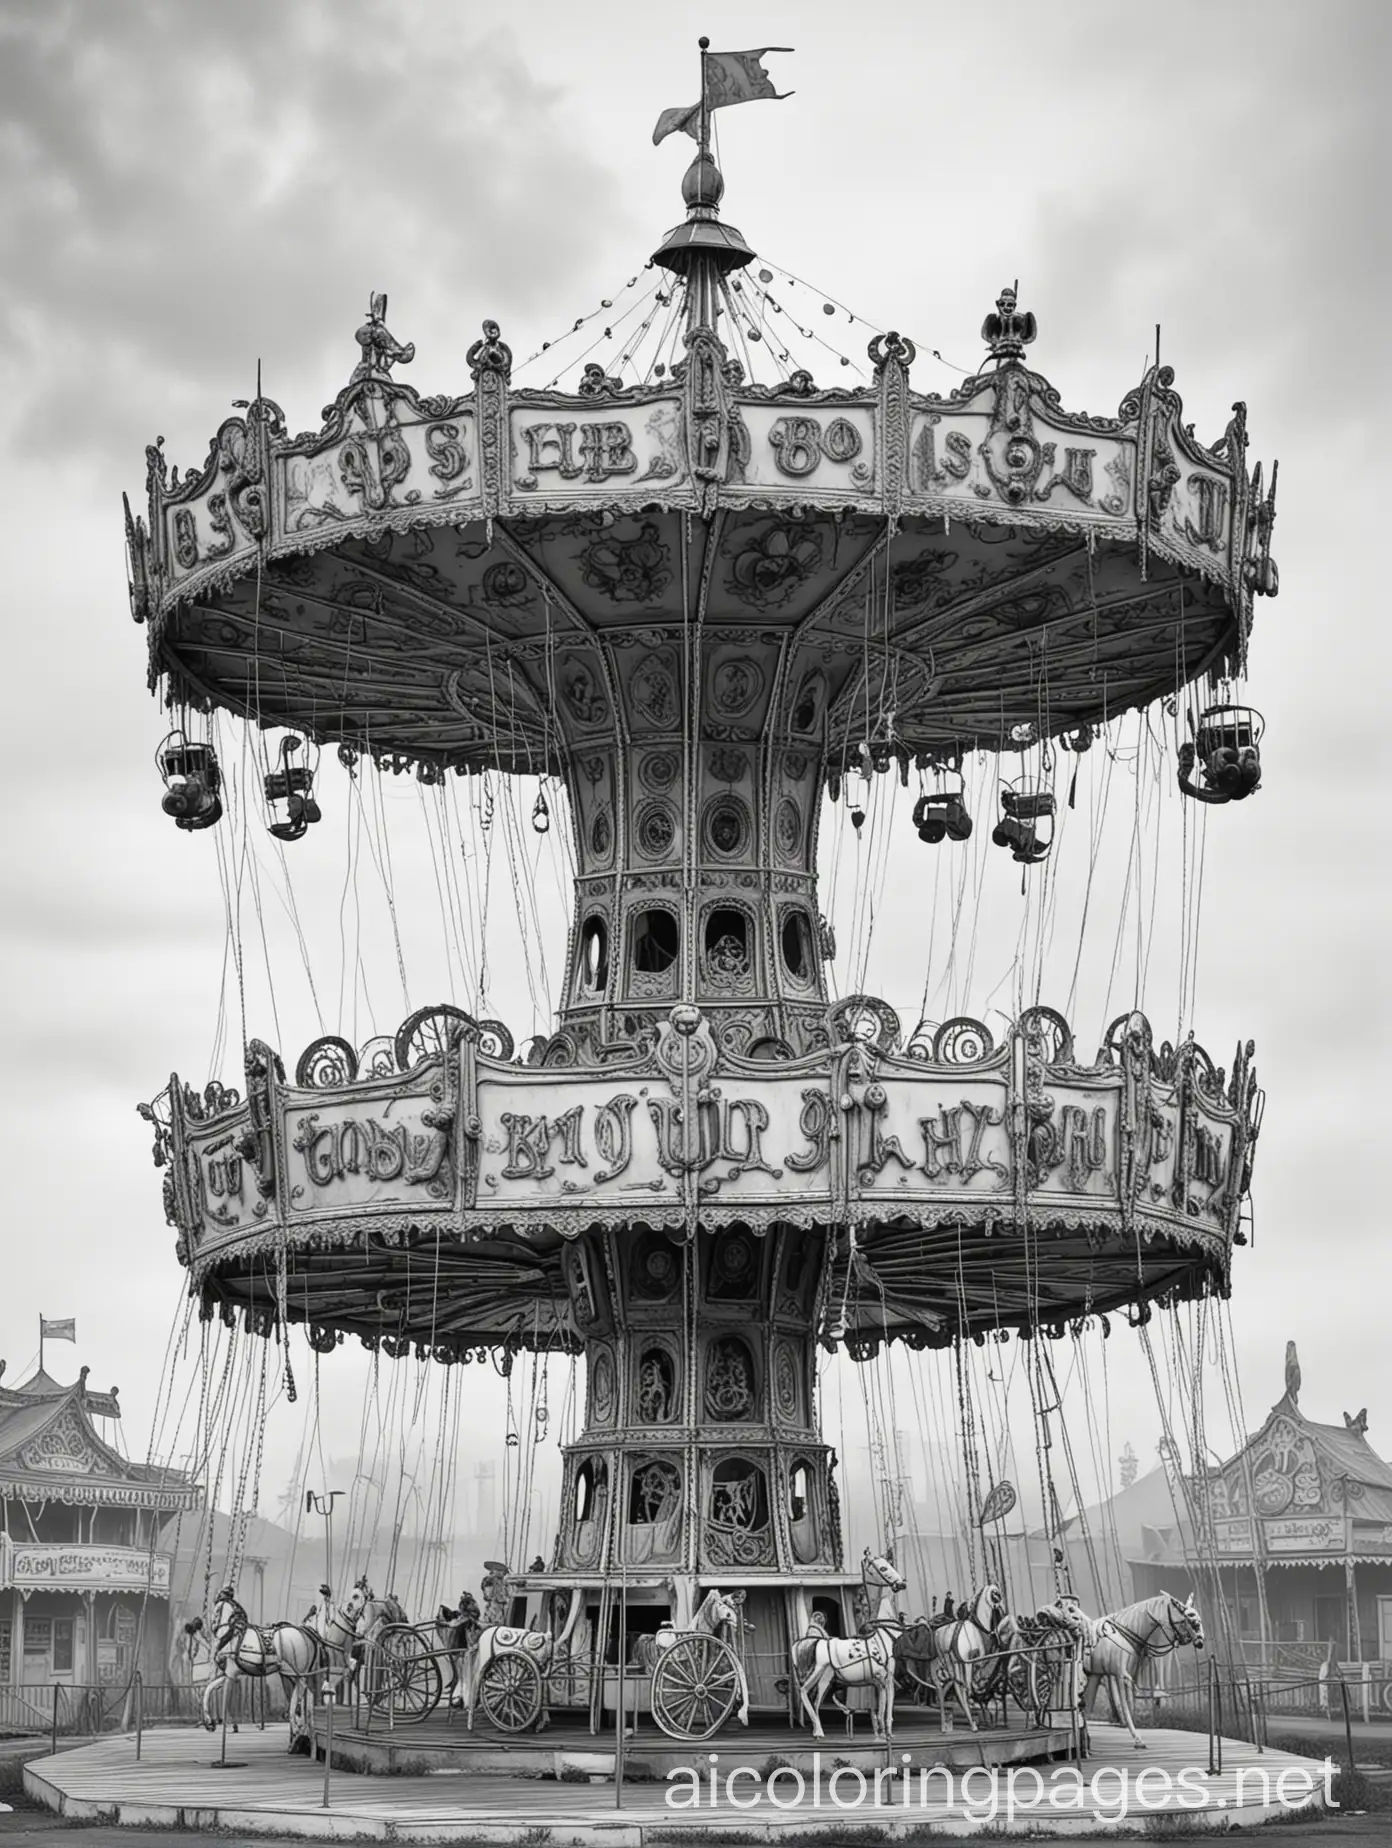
pixel 380 351
pixel 1008 331
pixel 491 354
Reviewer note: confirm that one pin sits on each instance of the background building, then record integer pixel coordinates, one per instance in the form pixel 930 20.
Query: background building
pixel 84 1577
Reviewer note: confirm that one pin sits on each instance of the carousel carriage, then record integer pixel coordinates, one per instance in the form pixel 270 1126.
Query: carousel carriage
pixel 401 1672
pixel 691 1680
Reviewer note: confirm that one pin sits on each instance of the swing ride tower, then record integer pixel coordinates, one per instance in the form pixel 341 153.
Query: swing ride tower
pixel 700 602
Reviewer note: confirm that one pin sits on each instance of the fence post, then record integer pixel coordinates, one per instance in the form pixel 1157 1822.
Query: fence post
pixel 1212 1767
pixel 1367 1691
pixel 139 1713
pixel 55 1719
pixel 619 1739
pixel 328 1739
pixel 1348 1722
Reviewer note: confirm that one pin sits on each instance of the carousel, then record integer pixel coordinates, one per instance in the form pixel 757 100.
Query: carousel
pixel 694 592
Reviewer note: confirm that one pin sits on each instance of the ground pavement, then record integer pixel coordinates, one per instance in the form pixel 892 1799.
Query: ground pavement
pixel 273 1795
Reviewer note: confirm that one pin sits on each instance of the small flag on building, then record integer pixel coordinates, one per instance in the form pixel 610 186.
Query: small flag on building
pixel 58 1331
pixel 728 77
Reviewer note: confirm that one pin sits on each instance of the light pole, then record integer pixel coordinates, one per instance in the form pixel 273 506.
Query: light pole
pixel 323 1504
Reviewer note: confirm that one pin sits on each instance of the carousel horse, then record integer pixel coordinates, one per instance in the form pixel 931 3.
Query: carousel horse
pixel 820 1660
pixel 458 1631
pixel 717 1612
pixel 292 1652
pixel 1117 1645
pixel 959 1646
pixel 376 1616
pixel 504 1639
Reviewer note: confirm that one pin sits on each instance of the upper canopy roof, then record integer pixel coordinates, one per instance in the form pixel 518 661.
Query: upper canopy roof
pixel 406 578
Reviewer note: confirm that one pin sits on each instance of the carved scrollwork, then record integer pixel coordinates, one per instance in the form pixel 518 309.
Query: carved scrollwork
pixel 866 1020
pixel 431 1032
pixel 494 1039
pixel 962 1041
pixel 729 1392
pixel 377 1057
pixel 891 346
pixel 1048 1034
pixel 326 1062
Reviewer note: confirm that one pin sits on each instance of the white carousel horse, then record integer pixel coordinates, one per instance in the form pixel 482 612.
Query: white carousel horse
pixel 820 1660
pixel 504 1639
pixel 957 1648
pixel 292 1652
pixel 716 1612
pixel 1118 1644
pixel 375 1616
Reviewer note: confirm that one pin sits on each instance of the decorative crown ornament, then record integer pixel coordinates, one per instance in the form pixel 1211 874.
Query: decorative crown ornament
pixel 1009 330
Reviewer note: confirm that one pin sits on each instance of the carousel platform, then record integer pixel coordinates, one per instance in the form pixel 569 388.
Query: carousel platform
pixel 568 1751
pixel 265 1792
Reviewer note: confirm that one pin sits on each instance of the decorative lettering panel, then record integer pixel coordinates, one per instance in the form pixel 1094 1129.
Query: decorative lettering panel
pixel 344 1155
pixel 1006 454
pixel 1191 504
pixel 826 449
pixel 575 451
pixel 943 1134
pixel 1233 1536
pixel 87 1568
pixel 1323 1533
pixel 381 465
pixel 1073 1149
pixel 586 1141
pixel 224 1197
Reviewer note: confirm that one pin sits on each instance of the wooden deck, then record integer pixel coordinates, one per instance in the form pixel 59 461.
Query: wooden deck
pixel 567 1749
pixel 173 1784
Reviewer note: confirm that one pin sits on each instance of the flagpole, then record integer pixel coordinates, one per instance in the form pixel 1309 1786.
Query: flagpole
pixel 41 1367
pixel 704 44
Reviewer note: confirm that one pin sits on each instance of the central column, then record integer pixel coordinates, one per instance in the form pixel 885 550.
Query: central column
pixel 697 862
pixel 700 1462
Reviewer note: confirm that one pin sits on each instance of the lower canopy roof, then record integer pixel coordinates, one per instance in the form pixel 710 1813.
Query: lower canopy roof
pixel 919 1285
pixel 959 1186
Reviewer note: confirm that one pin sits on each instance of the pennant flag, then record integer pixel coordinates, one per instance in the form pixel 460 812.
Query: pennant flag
pixel 730 77
pixel 998 1503
pixel 59 1331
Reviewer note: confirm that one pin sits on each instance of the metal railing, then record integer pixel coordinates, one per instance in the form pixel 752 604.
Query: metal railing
pixel 67 1710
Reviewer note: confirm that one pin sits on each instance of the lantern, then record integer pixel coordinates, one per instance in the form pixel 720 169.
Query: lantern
pixel 192 782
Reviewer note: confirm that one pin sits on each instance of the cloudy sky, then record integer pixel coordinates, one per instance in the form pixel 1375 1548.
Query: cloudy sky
pixel 188 188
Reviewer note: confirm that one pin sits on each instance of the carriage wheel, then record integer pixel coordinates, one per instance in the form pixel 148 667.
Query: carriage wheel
pixel 695 1687
pixel 510 1691
pixel 1025 1680
pixel 402 1673
pixel 986 1678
